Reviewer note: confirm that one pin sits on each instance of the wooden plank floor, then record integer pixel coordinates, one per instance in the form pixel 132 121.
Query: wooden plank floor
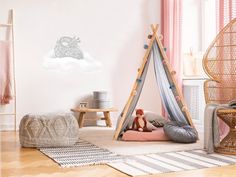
pixel 29 162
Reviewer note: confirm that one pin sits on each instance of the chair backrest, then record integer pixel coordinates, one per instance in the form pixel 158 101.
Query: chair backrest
pixel 219 63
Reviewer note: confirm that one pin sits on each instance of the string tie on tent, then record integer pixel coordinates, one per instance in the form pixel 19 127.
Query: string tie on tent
pixel 139 80
pixel 177 98
pixel 172 86
pixel 145 46
pixel 161 37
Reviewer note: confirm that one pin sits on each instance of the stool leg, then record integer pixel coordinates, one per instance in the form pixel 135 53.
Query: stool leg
pixel 107 118
pixel 81 119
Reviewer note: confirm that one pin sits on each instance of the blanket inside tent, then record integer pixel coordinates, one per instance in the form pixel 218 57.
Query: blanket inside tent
pixel 171 97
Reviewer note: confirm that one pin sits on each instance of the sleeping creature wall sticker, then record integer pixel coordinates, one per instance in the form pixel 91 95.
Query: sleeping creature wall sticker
pixel 68 47
pixel 67 55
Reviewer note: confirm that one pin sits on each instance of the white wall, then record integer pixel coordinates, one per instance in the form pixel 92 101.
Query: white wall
pixel 113 32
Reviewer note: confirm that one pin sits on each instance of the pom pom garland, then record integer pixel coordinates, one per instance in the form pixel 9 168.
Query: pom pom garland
pixel 164 62
pixel 149 36
pixel 145 46
pixel 139 80
pixel 172 86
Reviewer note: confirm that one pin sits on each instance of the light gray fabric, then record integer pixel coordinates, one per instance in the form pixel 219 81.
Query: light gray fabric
pixel 211 126
pixel 155 119
pixel 167 94
pixel 48 130
pixel 154 116
pixel 180 133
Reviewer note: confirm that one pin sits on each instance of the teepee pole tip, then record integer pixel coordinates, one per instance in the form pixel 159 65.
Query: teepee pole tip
pixel 154 27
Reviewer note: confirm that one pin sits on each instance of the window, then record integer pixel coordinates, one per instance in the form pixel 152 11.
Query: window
pixel 198 31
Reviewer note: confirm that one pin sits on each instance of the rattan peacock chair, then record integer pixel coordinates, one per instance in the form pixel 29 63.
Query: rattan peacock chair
pixel 219 63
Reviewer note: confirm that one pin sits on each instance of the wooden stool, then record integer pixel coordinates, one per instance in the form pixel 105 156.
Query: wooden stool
pixel 83 111
pixel 228 144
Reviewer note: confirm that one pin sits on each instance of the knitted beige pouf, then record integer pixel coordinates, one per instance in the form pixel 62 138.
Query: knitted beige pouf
pixel 48 130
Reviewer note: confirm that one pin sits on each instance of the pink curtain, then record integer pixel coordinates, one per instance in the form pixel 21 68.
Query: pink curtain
pixel 171 22
pixel 225 12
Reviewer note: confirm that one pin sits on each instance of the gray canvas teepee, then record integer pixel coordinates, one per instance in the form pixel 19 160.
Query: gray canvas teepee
pixel 170 94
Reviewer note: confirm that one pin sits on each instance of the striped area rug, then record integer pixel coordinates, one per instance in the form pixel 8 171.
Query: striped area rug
pixel 171 162
pixel 83 153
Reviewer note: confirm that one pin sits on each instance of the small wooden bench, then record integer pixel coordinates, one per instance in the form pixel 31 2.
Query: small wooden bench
pixel 83 111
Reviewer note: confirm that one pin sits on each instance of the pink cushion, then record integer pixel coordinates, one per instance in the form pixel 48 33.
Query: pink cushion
pixel 155 135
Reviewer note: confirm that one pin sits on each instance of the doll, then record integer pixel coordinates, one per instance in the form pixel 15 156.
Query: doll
pixel 140 122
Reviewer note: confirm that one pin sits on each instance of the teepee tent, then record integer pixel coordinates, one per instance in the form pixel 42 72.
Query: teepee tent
pixel 170 94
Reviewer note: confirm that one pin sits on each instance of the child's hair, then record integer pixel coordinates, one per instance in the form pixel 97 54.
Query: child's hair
pixel 139 111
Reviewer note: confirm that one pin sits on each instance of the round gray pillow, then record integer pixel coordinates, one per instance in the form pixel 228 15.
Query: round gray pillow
pixel 180 133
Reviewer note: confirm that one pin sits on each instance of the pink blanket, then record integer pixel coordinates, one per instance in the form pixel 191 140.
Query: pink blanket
pixel 155 135
pixel 5 72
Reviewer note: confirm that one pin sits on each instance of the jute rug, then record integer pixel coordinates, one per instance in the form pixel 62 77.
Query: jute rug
pixel 83 153
pixel 171 162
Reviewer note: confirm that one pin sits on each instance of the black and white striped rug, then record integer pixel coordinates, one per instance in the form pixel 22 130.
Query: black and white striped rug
pixel 83 153
pixel 171 162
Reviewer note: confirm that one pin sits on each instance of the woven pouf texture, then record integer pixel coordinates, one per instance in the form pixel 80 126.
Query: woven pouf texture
pixel 48 130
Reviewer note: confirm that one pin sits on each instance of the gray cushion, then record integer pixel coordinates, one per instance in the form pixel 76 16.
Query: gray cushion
pixel 180 133
pixel 48 130
pixel 156 119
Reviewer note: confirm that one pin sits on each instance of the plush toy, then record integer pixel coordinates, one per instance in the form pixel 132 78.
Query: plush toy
pixel 140 122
